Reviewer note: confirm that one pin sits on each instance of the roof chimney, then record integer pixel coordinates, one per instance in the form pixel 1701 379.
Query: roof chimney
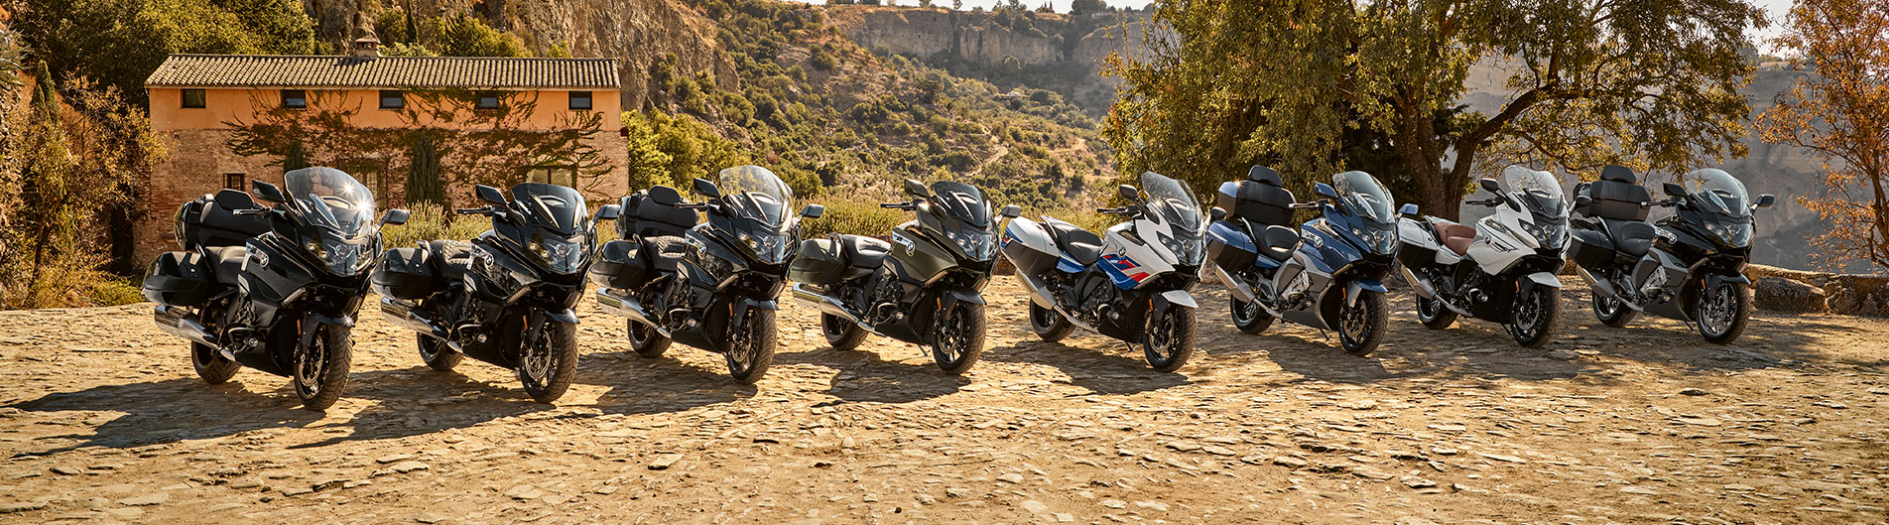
pixel 366 45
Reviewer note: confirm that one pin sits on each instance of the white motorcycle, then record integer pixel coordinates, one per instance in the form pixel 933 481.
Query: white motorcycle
pixel 1131 286
pixel 1501 270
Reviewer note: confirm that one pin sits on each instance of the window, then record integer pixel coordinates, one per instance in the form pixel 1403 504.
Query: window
pixel 393 99
pixel 559 175
pixel 580 100
pixel 294 99
pixel 487 100
pixel 233 181
pixel 194 98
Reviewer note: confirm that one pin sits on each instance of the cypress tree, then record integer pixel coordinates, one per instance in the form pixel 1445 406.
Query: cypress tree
pixel 423 181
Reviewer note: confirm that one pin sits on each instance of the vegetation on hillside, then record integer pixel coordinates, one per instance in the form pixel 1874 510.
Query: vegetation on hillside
pixel 119 43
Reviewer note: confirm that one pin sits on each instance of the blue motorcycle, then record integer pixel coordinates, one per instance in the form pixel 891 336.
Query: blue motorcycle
pixel 1327 275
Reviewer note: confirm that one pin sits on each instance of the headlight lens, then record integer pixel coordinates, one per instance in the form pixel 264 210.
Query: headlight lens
pixel 1550 235
pixel 975 244
pixel 341 257
pixel 1378 241
pixel 1737 235
pixel 771 247
pixel 1188 249
pixel 564 256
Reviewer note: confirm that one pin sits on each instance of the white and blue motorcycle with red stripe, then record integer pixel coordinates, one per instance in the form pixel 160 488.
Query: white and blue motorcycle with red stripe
pixel 1131 284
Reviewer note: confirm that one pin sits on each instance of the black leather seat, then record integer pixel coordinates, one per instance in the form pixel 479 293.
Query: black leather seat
pixel 648 217
pixel 453 258
pixel 1632 237
pixel 1278 242
pixel 228 263
pixel 860 251
pixel 1080 244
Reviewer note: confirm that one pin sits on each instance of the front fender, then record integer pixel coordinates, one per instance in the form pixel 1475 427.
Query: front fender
pixel 1174 298
pixel 1355 288
pixel 1712 280
pixel 309 322
pixel 565 316
pixel 950 296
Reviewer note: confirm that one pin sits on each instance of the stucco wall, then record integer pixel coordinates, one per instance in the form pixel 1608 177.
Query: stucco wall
pixel 222 106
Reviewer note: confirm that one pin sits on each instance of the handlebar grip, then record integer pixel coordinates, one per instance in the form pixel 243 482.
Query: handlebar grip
pixel 468 211
pixel 892 205
pixel 1107 210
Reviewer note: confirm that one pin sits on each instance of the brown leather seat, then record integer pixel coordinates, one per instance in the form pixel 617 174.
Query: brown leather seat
pixel 1456 237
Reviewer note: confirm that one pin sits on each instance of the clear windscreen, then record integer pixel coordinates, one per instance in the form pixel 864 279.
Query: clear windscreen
pixel 1719 192
pixel 756 193
pixel 963 202
pixel 1540 191
pixel 331 198
pixel 1172 201
pixel 1360 193
pixel 556 207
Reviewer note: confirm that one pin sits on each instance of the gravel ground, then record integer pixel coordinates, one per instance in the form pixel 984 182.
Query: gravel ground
pixel 104 421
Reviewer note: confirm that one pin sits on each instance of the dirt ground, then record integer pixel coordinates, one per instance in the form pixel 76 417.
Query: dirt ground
pixel 104 421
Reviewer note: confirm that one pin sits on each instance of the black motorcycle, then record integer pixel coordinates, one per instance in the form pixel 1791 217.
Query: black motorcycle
pixel 272 288
pixel 712 285
pixel 1687 267
pixel 506 297
pixel 927 292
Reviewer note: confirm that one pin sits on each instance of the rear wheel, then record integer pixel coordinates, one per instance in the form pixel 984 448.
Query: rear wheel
pixel 548 363
pixel 1723 312
pixel 321 367
pixel 1250 317
pixel 436 354
pixel 1433 314
pixel 1048 323
pixel 644 339
pixel 1612 312
pixel 958 339
pixel 1535 317
pixel 1361 324
pixel 841 334
pixel 211 365
pixel 752 349
pixel 1169 339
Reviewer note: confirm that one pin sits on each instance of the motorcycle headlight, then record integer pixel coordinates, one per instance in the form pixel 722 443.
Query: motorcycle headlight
pixel 341 257
pixel 1549 235
pixel 772 248
pixel 1188 249
pixel 975 244
pixel 1378 241
pixel 1737 235
pixel 563 255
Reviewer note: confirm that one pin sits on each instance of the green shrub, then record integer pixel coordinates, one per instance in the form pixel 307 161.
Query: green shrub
pixel 427 222
pixel 116 291
pixel 855 217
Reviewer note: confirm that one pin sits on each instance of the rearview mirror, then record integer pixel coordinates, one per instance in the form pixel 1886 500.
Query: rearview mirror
pixel 916 189
pixel 233 200
pixel 490 194
pixel 607 213
pixel 267 192
pixel 1128 192
pixel 1490 184
pixel 1675 190
pixel 813 211
pixel 1408 210
pixel 1012 211
pixel 665 196
pixel 1324 190
pixel 707 189
pixel 394 217
pixel 1766 200
pixel 1217 213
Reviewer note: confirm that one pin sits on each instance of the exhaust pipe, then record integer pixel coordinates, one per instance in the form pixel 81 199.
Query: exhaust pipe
pixel 1037 294
pixel 182 323
pixel 401 313
pixel 826 305
pixel 627 306
pixel 1234 286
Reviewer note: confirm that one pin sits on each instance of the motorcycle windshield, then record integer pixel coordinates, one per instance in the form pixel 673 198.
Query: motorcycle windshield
pixel 1538 191
pixel 331 199
pixel 753 192
pixel 556 208
pixel 1361 195
pixel 1718 192
pixel 962 202
pixel 1172 201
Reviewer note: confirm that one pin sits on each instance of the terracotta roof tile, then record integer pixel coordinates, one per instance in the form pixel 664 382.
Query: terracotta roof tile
pixel 184 70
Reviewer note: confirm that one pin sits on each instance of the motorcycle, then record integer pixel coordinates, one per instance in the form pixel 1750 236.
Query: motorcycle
pixel 711 285
pixel 272 288
pixel 1502 269
pixel 1687 266
pixel 926 291
pixel 506 297
pixel 1327 275
pixel 1132 286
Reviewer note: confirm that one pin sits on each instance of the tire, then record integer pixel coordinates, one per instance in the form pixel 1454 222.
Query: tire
pixel 1361 326
pixel 211 365
pixel 1611 312
pixel 1048 323
pixel 958 339
pixel 841 334
pixel 1433 314
pixel 1724 312
pixel 547 365
pixel 1535 317
pixel 753 349
pixel 1169 339
pixel 644 340
pixel 1250 317
pixel 436 354
pixel 320 370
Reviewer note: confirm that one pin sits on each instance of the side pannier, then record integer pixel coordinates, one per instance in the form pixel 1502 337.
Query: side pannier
pixel 178 279
pixel 820 262
pixel 620 265
pixel 406 274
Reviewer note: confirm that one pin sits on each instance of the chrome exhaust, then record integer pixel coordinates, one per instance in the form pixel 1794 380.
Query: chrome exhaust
pixel 181 322
pixel 627 306
pixel 402 314
pixel 826 305
pixel 1234 286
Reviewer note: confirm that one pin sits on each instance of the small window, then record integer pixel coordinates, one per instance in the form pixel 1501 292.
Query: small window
pixel 233 181
pixel 559 175
pixel 294 99
pixel 487 100
pixel 393 99
pixel 580 100
pixel 194 98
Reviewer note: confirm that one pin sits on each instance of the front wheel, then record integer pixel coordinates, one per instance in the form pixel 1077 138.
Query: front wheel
pixel 958 339
pixel 211 365
pixel 1612 312
pixel 321 367
pixel 1250 317
pixel 644 339
pixel 1169 340
pixel 1433 314
pixel 548 363
pixel 752 349
pixel 1723 312
pixel 1361 324
pixel 1048 323
pixel 1535 317
pixel 841 334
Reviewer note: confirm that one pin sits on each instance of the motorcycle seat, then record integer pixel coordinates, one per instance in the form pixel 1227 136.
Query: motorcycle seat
pixel 228 261
pixel 453 257
pixel 1277 242
pixel 1633 238
pixel 1083 252
pixel 1454 236
pixel 1082 245
pixel 860 251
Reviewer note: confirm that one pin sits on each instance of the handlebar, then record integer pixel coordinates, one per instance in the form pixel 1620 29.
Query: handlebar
pixel 898 205
pixel 1304 205
pixel 249 212
pixel 471 211
pixel 695 206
